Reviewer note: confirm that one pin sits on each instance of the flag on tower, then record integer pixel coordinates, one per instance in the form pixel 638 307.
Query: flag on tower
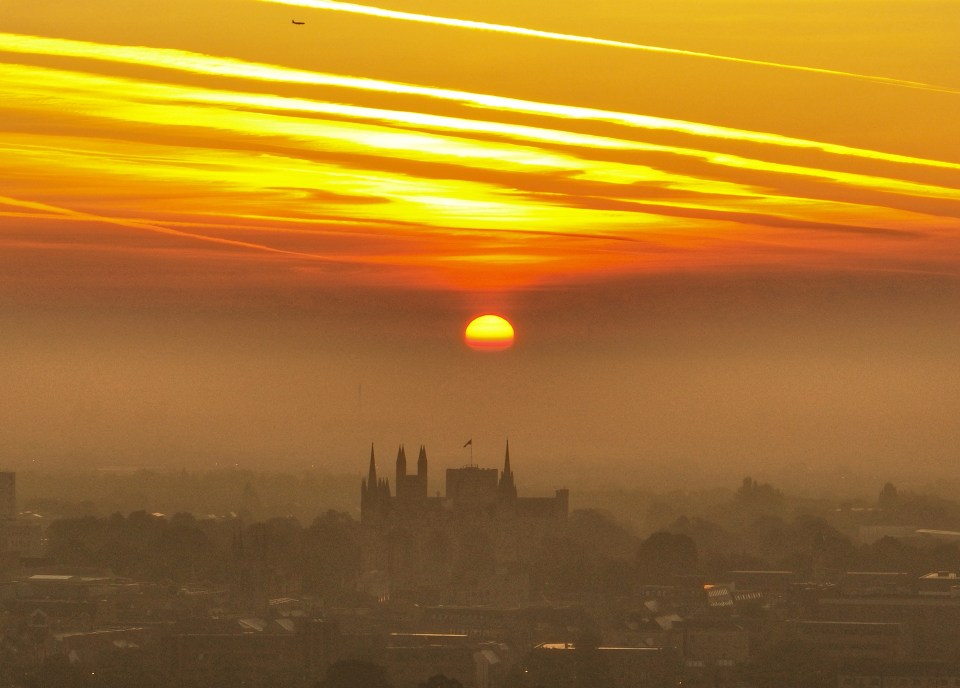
pixel 468 443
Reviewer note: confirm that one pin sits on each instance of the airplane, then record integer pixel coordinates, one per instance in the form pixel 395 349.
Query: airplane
pixel 294 21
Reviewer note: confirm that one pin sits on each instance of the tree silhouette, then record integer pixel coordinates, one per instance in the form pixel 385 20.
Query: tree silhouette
pixel 665 555
pixel 440 681
pixel 888 497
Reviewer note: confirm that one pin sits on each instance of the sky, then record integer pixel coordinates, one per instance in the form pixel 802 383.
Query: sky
pixel 725 232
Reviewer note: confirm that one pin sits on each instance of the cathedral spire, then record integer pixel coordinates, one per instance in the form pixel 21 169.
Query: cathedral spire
pixel 507 487
pixel 372 476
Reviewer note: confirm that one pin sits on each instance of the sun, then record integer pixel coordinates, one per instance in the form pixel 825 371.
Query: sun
pixel 489 333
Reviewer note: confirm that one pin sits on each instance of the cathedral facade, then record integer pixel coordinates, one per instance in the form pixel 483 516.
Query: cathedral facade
pixel 473 545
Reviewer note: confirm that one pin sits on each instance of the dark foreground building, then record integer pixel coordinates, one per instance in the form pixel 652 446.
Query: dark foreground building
pixel 250 652
pixel 562 665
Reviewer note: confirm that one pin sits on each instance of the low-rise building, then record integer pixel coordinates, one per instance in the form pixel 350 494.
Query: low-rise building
pixel 874 674
pixel 854 640
pixel 562 665
pixel 254 652
pixel 931 621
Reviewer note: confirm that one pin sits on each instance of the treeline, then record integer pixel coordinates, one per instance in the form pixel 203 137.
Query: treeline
pixel 756 528
pixel 255 495
pixel 323 558
pixel 594 554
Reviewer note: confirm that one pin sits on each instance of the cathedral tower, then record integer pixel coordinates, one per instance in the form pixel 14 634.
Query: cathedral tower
pixel 401 471
pixel 374 494
pixel 411 489
pixel 422 473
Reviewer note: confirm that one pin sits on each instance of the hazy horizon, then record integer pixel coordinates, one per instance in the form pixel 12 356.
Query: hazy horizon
pixel 727 235
pixel 736 371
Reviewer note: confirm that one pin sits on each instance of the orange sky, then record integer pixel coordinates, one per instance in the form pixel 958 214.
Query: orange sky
pixel 806 134
pixel 209 154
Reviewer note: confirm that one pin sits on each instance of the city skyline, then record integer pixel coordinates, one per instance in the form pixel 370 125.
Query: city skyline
pixel 726 233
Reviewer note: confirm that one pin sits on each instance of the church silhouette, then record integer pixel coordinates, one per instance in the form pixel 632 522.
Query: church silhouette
pixel 473 545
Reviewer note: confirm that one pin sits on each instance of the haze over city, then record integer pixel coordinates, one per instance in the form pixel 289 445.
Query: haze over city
pixel 422 344
pixel 725 232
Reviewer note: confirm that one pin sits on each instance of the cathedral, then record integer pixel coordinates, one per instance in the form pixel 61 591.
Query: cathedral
pixel 471 546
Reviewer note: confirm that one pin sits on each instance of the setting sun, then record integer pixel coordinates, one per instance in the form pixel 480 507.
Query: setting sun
pixel 489 333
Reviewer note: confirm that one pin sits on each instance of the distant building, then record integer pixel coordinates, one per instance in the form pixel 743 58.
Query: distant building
pixel 764 580
pixel 477 623
pixel 84 600
pixel 893 674
pixel 841 640
pixel 875 583
pixel 18 537
pixel 412 658
pixel 711 643
pixel 562 665
pixel 254 652
pixel 8 495
pixel 21 537
pixel 931 620
pixel 946 583
pixel 472 546
pixel 93 646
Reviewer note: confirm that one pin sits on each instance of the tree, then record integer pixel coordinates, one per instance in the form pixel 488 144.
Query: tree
pixel 331 555
pixel 888 498
pixel 663 555
pixel 891 554
pixel 594 554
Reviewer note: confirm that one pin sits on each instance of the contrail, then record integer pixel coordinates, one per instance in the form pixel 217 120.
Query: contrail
pixel 198 63
pixel 159 229
pixel 368 10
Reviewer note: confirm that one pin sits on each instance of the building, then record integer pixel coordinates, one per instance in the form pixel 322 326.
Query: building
pixel 411 658
pixel 472 546
pixel 927 619
pixel 562 665
pixel 8 495
pixel 892 674
pixel 841 640
pixel 21 537
pixel 943 583
pixel 92 647
pixel 254 652
pixel 18 537
pixel 875 583
pixel 771 582
pixel 713 646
